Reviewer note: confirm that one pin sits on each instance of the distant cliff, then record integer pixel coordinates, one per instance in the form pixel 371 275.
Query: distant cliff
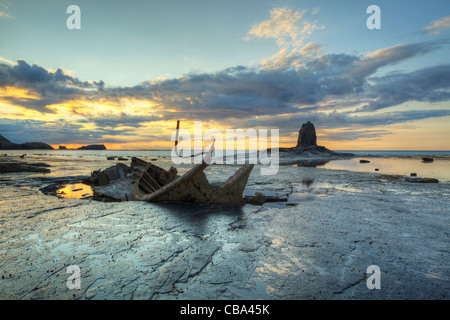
pixel 5 144
pixel 93 147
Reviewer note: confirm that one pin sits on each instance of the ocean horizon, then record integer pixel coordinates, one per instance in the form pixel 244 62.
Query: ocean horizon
pixel 356 152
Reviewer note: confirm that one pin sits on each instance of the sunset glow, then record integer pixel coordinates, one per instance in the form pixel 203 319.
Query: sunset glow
pixel 275 69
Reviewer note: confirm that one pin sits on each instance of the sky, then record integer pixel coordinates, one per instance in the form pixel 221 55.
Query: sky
pixel 135 67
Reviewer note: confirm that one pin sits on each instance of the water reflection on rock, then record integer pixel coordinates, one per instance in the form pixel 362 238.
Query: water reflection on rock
pixel 312 163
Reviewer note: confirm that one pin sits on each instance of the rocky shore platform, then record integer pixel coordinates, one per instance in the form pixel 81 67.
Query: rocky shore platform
pixel 315 243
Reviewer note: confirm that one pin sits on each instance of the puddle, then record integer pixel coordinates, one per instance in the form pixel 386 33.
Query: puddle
pixel 74 191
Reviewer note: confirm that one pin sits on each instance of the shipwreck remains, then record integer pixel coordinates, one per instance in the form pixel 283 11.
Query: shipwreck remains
pixel 144 181
pixel 193 186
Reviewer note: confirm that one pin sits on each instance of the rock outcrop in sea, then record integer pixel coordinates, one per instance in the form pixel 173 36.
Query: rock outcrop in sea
pixel 307 153
pixel 307 136
pixel 93 147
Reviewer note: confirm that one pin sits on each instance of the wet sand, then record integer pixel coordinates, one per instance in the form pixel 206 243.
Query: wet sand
pixel 316 245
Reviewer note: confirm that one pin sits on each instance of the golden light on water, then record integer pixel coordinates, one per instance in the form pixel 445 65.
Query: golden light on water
pixel 75 191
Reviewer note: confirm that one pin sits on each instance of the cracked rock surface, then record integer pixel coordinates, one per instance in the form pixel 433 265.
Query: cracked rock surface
pixel 317 245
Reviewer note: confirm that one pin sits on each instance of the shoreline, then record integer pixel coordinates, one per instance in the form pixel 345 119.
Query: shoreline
pixel 52 166
pixel 318 247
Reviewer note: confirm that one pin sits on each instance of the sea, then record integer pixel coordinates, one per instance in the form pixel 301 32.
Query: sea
pixel 396 162
pixel 391 162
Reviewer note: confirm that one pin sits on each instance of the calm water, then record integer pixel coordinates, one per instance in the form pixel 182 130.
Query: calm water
pixel 398 153
pixel 439 168
pixel 95 154
pixel 387 162
pixel 398 163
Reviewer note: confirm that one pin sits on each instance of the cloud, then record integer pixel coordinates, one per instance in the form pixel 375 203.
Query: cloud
pixel 290 29
pixel 6 61
pixel 438 26
pixel 356 125
pixel 243 91
pixel 4 15
pixel 62 131
pixel 51 87
pixel 354 134
pixel 332 90
pixel 285 25
pixel 294 58
pixel 121 120
pixel 257 96
pixel 52 132
pixel 4 10
pixel 430 84
pixel 393 55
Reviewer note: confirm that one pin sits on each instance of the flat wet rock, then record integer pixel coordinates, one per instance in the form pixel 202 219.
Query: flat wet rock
pixel 12 167
pixel 317 249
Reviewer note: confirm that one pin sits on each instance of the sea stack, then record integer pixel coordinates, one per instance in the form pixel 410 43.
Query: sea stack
pixel 311 154
pixel 307 136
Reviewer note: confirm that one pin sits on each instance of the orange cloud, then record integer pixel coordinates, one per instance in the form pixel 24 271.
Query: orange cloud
pixel 18 93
